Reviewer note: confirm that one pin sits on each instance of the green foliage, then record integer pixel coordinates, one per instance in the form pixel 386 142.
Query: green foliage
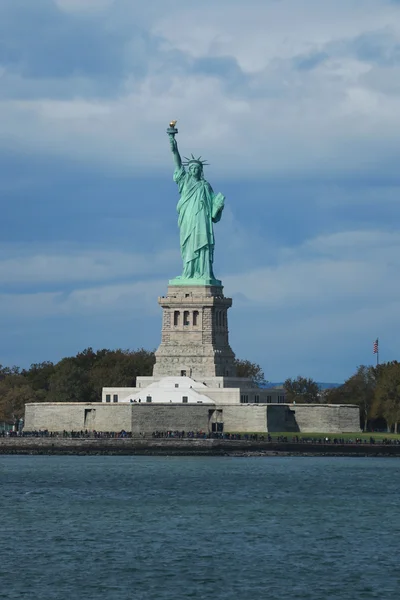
pixel 69 383
pixel 302 390
pixel 253 371
pixel 7 371
pixel 358 389
pixel 120 369
pixel 387 394
pixel 14 394
pixel 38 376
pixel 74 379
pixel 376 390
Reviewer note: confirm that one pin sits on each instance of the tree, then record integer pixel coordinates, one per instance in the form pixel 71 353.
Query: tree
pixel 38 375
pixel 88 358
pixel 387 394
pixel 120 368
pixel 253 371
pixel 302 390
pixel 14 394
pixel 7 371
pixel 78 378
pixel 358 389
pixel 13 403
pixel 69 383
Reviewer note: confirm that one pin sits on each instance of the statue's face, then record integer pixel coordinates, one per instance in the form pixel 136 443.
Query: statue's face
pixel 195 170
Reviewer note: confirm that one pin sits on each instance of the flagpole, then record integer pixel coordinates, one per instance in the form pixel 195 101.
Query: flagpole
pixel 376 350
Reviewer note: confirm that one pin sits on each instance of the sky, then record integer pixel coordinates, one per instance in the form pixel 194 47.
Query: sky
pixel 296 106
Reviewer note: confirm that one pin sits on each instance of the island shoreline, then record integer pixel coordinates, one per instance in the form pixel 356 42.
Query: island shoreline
pixel 187 447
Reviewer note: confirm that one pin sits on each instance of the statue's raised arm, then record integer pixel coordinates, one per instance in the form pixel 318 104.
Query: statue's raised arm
pixel 172 131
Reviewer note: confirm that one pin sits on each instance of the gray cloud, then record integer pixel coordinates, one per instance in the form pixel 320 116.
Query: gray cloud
pixel 50 266
pixel 380 47
pixel 76 77
pixel 51 52
pixel 306 62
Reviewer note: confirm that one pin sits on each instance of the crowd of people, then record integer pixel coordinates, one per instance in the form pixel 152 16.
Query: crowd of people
pixel 44 433
pixel 178 434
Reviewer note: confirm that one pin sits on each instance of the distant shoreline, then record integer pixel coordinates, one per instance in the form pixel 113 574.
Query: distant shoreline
pixel 187 447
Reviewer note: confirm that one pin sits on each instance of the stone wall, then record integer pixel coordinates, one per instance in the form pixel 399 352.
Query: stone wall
pixel 138 418
pixel 280 418
pixel 147 418
pixel 245 417
pixel 349 418
pixel 326 418
pixel 77 416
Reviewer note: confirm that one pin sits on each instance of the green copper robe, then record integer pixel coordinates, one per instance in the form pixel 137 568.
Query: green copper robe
pixel 198 209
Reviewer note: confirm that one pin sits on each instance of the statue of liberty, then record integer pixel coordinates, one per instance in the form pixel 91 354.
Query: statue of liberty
pixel 198 209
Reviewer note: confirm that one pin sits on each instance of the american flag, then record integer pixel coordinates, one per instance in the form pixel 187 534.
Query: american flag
pixel 376 346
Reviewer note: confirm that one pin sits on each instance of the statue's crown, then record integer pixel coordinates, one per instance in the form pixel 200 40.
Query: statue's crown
pixel 189 161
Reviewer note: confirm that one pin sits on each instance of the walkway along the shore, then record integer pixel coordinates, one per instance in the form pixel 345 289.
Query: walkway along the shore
pixel 182 447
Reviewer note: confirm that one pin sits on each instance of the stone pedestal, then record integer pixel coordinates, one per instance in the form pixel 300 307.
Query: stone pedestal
pixel 194 340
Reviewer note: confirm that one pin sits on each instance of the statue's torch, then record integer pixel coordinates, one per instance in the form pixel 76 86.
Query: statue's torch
pixel 172 130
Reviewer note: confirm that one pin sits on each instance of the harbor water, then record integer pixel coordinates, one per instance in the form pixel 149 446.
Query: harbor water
pixel 155 528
